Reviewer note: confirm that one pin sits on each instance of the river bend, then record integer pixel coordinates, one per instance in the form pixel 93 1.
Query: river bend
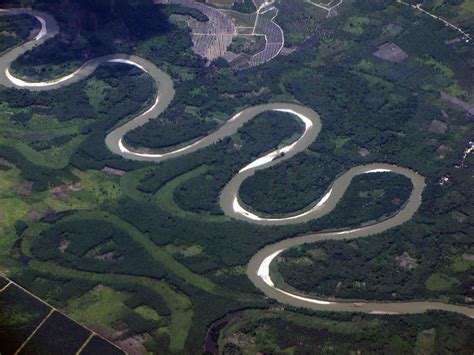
pixel 259 266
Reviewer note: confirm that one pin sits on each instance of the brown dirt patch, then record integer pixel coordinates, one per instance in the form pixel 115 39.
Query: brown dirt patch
pixel 467 256
pixel 288 51
pixel 406 261
pixel 113 171
pixel 34 215
pixel 469 108
pixel 134 345
pixel 63 190
pixel 109 257
pixel 6 163
pixel 26 188
pixel 63 245
pixel 391 52
pixel 442 151
pixel 240 339
pixel 438 127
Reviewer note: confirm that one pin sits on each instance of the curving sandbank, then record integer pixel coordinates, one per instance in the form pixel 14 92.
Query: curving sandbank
pixel 259 265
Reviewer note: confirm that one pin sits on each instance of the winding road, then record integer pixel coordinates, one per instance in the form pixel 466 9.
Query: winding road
pixel 259 266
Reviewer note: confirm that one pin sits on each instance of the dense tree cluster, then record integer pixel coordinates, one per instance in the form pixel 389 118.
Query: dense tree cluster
pixel 371 111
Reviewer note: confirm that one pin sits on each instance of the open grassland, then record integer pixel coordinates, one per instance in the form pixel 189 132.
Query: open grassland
pixel 100 306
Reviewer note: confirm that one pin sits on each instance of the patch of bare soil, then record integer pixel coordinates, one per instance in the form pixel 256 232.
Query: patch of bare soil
pixel 34 215
pixel 230 56
pixel 288 51
pixel 102 331
pixel 467 256
pixel 113 171
pixel 63 190
pixel 26 188
pixel 6 163
pixel 469 108
pixel 211 38
pixel 453 41
pixel 63 245
pixel 109 257
pixel 438 127
pixel 134 345
pixel 406 261
pixel 391 52
pixel 240 339
pixel 240 61
pixel 363 152
pixel 442 151
pixel 124 338
pixel 396 201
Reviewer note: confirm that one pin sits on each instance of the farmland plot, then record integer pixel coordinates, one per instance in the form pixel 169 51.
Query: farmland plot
pixel 211 38
pixel 273 35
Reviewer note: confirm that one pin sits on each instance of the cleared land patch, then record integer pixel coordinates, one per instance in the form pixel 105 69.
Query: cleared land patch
pixel 391 52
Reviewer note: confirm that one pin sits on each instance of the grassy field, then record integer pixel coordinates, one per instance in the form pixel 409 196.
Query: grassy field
pixel 55 157
pixel 130 180
pixel 100 306
pixel 225 4
pixel 96 91
pixel 179 304
pixel 356 24
pixel 440 282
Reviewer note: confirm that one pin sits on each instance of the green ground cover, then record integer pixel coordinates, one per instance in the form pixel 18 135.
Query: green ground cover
pixel 287 332
pixel 15 29
pixel 20 314
pixel 189 264
pixel 99 346
pixel 59 335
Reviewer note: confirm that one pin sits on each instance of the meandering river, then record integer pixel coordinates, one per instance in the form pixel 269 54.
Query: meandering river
pixel 259 266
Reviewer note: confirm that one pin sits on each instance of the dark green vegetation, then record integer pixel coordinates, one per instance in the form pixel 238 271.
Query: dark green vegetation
pixel 15 29
pixel 20 314
pixel 42 130
pixel 106 249
pixel 264 133
pixel 429 257
pixel 368 196
pixel 33 326
pixel 99 346
pixel 104 27
pixel 277 331
pixel 58 335
pixel 142 261
pixel 169 131
pixel 245 6
pixel 458 12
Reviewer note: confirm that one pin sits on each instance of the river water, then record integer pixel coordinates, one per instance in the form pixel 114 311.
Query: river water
pixel 258 269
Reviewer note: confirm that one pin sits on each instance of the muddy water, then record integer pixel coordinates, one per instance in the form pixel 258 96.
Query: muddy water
pixel 258 268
